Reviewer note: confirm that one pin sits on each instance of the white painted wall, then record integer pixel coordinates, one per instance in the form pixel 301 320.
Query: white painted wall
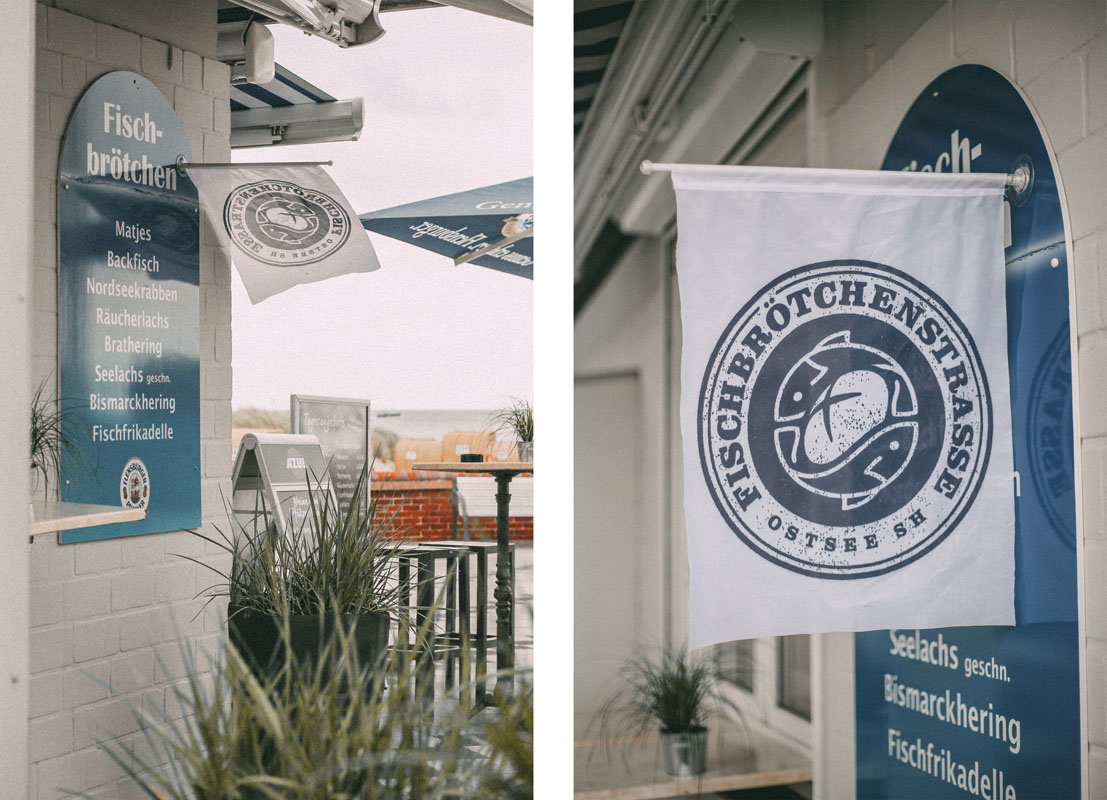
pixel 620 571
pixel 1057 54
pixel 115 610
pixel 193 31
pixel 17 43
pixel 608 568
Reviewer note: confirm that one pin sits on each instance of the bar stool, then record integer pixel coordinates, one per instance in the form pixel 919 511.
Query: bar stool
pixel 424 557
pixel 483 638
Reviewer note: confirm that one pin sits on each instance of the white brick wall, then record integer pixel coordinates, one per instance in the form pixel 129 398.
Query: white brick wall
pixel 106 617
pixel 1057 54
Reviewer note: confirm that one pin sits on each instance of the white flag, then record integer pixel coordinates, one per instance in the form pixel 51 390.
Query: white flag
pixel 844 401
pixel 284 226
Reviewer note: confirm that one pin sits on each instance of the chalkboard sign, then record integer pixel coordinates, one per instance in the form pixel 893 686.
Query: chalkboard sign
pixel 342 427
pixel 278 472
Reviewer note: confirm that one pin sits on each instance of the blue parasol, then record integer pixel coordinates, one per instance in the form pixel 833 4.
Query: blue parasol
pixel 491 226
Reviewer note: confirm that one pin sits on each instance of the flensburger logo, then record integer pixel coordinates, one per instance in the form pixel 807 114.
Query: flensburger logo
pixel 283 224
pixel 134 485
pixel 844 420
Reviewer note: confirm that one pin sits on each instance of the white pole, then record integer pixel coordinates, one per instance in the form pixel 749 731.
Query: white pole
pixel 184 166
pixel 1019 179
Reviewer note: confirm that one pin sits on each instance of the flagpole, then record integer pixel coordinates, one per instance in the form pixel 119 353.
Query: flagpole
pixel 183 166
pixel 1018 179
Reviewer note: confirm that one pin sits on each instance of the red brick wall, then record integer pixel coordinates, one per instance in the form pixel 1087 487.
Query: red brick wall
pixel 419 505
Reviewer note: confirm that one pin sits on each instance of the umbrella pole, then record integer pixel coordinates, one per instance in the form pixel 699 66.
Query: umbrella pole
pixel 480 251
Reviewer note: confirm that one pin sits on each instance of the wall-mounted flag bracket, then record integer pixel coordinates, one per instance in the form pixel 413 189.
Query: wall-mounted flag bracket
pixel 1020 180
pixel 184 166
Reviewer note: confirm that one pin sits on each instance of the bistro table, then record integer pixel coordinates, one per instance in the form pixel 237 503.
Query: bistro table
pixel 503 472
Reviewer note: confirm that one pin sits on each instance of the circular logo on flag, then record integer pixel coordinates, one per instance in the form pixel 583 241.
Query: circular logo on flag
pixel 283 224
pixel 844 420
pixel 134 485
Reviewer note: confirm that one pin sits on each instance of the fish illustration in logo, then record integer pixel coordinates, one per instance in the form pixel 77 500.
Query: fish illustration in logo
pixel 283 224
pixel 847 420
pixel 287 220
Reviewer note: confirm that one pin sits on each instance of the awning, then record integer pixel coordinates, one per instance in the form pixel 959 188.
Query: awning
pixel 596 28
pixel 513 10
pixel 289 110
pixel 349 23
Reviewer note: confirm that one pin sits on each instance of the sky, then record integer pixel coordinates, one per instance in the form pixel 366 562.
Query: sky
pixel 448 97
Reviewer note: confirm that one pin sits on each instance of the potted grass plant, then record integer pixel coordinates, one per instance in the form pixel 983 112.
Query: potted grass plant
pixel 510 738
pixel 51 440
pixel 518 420
pixel 304 737
pixel 335 570
pixel 674 693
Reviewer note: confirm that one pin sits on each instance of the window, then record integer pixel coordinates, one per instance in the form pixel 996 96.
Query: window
pixel 734 660
pixel 794 675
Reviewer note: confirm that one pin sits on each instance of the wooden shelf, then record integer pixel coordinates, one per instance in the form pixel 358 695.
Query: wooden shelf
pixel 730 766
pixel 48 517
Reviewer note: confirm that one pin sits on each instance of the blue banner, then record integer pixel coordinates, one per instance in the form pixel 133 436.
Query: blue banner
pixel 993 712
pixel 457 224
pixel 128 309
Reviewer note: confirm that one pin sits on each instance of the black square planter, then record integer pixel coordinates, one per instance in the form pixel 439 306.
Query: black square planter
pixel 257 637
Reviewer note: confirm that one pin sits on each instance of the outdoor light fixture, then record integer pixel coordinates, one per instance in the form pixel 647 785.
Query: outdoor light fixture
pixel 248 48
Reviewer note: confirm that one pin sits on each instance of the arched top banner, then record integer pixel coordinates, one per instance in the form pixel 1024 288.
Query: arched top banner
pixel 125 131
pixel 128 309
pixel 994 712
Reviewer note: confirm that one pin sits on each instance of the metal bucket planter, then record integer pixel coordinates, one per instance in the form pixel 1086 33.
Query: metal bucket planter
pixel 685 752
pixel 525 451
pixel 257 637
